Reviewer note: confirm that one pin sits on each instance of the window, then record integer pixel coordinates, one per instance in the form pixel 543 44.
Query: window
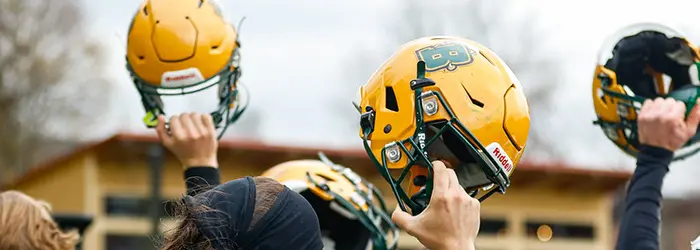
pixel 544 231
pixel 126 206
pixel 129 242
pixel 136 206
pixel 492 226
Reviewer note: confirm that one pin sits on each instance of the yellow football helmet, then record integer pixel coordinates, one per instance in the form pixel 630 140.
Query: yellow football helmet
pixel 180 47
pixel 444 98
pixel 351 210
pixel 639 62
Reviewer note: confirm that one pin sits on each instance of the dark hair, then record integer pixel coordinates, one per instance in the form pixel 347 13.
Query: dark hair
pixel 187 235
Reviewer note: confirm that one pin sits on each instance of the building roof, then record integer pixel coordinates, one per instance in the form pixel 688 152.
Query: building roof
pixel 685 207
pixel 561 175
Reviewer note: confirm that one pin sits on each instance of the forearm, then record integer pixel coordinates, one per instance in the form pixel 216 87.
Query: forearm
pixel 639 228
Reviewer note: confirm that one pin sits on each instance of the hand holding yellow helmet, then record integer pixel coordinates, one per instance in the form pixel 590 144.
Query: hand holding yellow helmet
pixel 444 98
pixel 639 62
pixel 180 47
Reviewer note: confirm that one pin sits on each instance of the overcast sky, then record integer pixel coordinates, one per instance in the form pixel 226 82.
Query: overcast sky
pixel 294 52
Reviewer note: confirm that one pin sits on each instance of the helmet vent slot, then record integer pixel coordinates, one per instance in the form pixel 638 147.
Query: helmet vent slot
pixel 487 58
pixel 474 101
pixel 390 98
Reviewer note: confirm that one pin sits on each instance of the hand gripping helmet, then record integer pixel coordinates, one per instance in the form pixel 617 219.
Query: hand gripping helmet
pixel 639 62
pixel 180 47
pixel 444 98
pixel 351 210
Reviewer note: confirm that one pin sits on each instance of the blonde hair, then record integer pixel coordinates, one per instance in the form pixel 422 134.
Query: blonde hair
pixel 26 224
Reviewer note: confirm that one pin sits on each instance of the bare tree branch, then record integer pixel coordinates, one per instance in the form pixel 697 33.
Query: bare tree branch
pixel 496 24
pixel 51 87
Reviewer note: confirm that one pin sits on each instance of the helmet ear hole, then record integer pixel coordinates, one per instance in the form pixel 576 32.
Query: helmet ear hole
pixel 469 173
pixel 390 99
pixel 456 146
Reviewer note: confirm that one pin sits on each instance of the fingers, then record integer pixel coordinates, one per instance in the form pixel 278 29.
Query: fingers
pixel 198 121
pixel 457 193
pixel 192 126
pixel 162 131
pixel 441 178
pixel 454 181
pixel 649 109
pixel 662 123
pixel 403 220
pixel 189 127
pixel 176 129
pixel 693 118
pixel 646 106
pixel 669 107
pixel 656 106
pixel 662 109
pixel 208 122
pixel 645 111
pixel 677 109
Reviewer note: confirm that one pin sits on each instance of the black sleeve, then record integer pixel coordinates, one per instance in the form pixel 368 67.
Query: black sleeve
pixel 639 229
pixel 200 179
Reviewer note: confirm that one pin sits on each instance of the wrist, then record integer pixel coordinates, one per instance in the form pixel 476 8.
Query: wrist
pixel 655 144
pixel 188 163
pixel 656 150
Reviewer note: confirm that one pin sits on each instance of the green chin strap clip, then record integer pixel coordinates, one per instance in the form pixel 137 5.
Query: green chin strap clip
pixel 151 119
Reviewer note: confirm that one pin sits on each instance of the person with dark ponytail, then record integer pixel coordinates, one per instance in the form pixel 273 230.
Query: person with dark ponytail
pixel 245 213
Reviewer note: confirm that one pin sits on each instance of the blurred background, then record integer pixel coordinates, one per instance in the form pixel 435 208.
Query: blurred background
pixel 66 99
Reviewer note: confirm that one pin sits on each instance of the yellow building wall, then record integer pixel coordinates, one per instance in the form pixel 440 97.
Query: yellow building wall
pixel 134 178
pixel 64 188
pixel 518 206
pixel 131 177
pixel 89 181
pixel 542 205
pixel 70 188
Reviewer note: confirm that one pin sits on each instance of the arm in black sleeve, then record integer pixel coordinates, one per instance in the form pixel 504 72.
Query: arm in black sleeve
pixel 200 179
pixel 639 229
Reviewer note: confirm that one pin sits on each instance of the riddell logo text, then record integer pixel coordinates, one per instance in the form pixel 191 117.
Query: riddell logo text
pixel 421 140
pixel 421 143
pixel 503 158
pixel 180 78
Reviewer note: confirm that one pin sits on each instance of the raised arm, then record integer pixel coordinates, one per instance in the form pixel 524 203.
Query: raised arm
pixel 662 129
pixel 192 139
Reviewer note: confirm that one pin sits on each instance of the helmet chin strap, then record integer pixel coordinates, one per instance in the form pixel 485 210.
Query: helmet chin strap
pixel 421 199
